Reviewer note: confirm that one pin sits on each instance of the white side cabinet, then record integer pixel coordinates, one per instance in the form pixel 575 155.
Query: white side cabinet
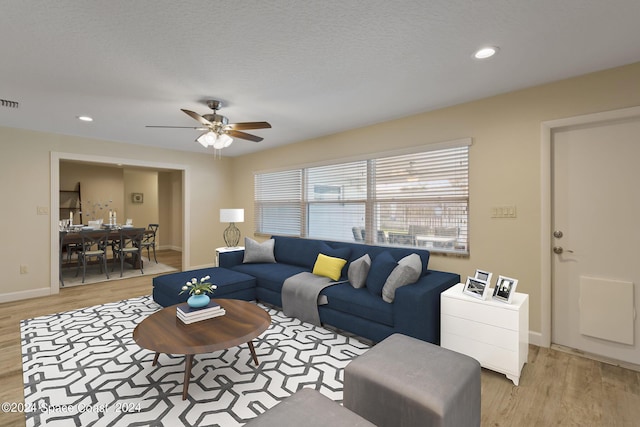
pixel 492 332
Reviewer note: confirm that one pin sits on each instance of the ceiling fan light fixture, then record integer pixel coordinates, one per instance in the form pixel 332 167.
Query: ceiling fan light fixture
pixel 207 139
pixel 226 140
pixel 216 128
pixel 219 144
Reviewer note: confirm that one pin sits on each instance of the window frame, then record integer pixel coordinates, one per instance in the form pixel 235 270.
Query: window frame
pixel 372 202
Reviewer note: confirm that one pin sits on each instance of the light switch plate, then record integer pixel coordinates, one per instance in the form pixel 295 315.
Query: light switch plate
pixel 507 211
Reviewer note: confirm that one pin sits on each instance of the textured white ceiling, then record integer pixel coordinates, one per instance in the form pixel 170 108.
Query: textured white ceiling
pixel 310 68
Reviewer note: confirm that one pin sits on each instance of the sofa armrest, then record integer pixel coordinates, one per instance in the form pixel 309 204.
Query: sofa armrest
pixel 230 259
pixel 416 307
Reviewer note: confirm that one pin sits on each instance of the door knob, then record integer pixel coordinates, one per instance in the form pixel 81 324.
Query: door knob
pixel 558 250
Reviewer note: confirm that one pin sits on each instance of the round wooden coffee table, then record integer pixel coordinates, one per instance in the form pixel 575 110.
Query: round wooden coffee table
pixel 163 332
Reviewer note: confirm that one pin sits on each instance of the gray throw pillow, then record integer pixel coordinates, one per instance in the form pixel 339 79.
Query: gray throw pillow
pixel 358 271
pixel 406 272
pixel 402 275
pixel 258 252
pixel 414 261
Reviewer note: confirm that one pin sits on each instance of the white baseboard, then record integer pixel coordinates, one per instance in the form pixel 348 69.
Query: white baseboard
pixel 33 293
pixel 535 338
pixel 171 247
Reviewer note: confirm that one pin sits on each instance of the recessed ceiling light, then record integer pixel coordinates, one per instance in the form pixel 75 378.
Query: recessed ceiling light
pixel 485 52
pixel 85 118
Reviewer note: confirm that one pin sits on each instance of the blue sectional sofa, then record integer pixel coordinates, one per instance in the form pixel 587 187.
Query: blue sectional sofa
pixel 415 310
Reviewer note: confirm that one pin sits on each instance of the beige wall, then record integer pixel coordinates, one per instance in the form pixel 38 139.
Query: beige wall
pixel 170 210
pixel 145 182
pixel 505 165
pixel 101 189
pixel 25 181
pixel 505 168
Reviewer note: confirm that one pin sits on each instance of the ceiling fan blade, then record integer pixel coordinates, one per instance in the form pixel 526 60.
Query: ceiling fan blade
pixel 179 127
pixel 197 117
pixel 244 135
pixel 248 125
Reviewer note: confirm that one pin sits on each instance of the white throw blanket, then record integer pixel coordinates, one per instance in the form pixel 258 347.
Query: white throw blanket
pixel 300 296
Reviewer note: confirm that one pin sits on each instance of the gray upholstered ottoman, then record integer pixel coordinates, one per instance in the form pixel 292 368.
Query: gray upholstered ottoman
pixel 403 381
pixel 308 408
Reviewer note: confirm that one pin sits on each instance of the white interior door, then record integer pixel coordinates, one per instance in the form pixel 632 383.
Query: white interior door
pixel 596 238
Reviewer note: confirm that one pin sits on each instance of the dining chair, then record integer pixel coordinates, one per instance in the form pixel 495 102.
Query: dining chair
pixel 94 245
pixel 149 240
pixel 70 246
pixel 129 243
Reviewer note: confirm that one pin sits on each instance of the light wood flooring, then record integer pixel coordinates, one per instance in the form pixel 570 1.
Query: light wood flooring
pixel 556 388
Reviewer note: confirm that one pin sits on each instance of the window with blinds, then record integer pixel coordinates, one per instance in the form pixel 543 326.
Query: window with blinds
pixel 335 197
pixel 422 199
pixel 278 203
pixel 419 199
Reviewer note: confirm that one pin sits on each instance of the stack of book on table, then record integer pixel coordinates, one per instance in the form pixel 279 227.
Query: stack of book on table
pixel 191 315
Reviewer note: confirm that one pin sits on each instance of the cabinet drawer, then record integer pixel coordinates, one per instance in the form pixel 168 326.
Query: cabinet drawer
pixel 503 317
pixel 482 332
pixel 490 357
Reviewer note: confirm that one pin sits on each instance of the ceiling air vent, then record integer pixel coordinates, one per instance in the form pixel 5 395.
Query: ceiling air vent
pixel 9 104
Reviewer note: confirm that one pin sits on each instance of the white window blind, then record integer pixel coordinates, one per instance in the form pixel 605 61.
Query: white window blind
pixel 336 196
pixel 418 199
pixel 278 207
pixel 422 199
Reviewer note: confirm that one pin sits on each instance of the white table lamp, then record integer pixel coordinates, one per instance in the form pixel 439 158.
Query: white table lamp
pixel 231 234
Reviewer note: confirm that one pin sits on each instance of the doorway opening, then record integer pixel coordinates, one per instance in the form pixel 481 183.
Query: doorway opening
pixel 175 210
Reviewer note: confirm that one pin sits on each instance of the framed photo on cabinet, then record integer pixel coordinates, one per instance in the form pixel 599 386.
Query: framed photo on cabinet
pixel 476 288
pixel 505 288
pixel 483 275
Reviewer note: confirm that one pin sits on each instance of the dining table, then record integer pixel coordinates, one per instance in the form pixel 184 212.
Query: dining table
pixel 72 237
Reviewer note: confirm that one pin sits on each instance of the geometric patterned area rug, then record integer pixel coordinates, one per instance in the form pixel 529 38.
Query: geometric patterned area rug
pixel 82 368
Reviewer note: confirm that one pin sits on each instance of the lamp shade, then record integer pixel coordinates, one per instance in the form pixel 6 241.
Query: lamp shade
pixel 231 215
pixel 226 140
pixel 207 139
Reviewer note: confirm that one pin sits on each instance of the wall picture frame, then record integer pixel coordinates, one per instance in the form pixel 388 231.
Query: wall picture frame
pixel 505 288
pixel 483 275
pixel 137 198
pixel 476 288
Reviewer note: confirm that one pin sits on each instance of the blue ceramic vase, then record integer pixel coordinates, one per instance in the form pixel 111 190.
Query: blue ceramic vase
pixel 197 301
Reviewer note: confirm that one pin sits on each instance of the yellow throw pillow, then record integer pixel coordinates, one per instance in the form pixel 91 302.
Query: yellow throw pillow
pixel 329 266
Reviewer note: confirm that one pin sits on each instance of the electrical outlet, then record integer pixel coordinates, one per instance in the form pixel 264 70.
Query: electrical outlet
pixel 24 268
pixel 43 210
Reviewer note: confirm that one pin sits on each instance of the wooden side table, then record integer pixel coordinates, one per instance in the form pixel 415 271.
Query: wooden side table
pixel 494 333
pixel 223 249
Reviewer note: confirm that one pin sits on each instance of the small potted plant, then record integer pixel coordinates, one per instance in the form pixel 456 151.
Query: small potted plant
pixel 198 291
